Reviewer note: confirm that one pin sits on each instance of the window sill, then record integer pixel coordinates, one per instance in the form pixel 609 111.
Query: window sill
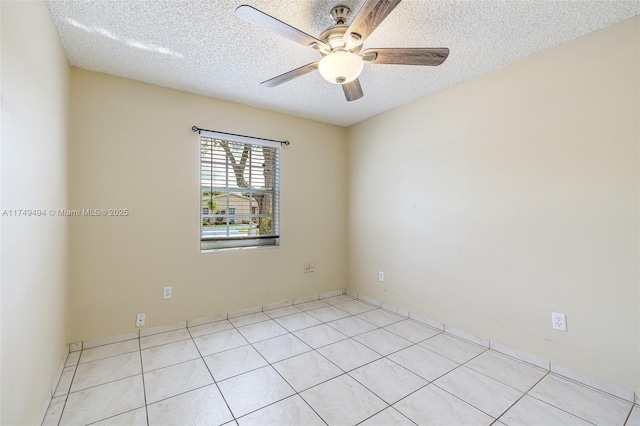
pixel 217 250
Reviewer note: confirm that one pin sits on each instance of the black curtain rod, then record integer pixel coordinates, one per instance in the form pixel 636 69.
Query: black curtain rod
pixel 198 130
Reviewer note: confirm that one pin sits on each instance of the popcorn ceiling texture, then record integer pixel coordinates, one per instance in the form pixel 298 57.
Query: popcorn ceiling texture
pixel 202 47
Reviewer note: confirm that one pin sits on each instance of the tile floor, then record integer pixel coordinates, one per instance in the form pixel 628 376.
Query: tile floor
pixel 336 361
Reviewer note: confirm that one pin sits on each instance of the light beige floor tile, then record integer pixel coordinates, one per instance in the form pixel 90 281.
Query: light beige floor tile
pixel 65 381
pixel 388 417
pixel 314 304
pixel 88 344
pixel 433 406
pixel 533 412
pixel 299 300
pixel 382 341
pixel 164 338
pixel 520 355
pixel 320 335
pixel 248 319
pixel 144 332
pixel 586 403
pixel 106 370
pixel 453 348
pixel 349 354
pixel 203 406
pixel 206 320
pixel 328 313
pixel 135 417
pixel 380 317
pixel 352 326
pixel 72 359
pixel 244 312
pixel 395 309
pixel 343 401
pixel 209 328
pixel 412 330
pixel 489 381
pixel 369 300
pixel 261 331
pixel 254 390
pixel 332 293
pixel 106 351
pixel 170 354
pixel 100 402
pixel 634 418
pixel 355 307
pixel 290 411
pixel 177 379
pixel 388 380
pixel 427 321
pixel 483 392
pixel 281 347
pixel 593 382
pixel 233 362
pixel 306 370
pixel 277 305
pixel 426 364
pixel 297 321
pixel 280 312
pixel 465 335
pixel 334 300
pixel 54 412
pixel 517 374
pixel 219 342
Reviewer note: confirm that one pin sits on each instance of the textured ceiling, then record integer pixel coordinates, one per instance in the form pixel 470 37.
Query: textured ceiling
pixel 201 47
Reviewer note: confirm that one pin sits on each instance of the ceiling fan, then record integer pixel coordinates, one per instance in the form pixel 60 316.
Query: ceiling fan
pixel 340 45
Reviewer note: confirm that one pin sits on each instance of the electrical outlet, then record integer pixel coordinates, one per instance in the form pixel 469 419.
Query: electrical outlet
pixel 140 320
pixel 312 267
pixel 380 276
pixel 167 293
pixel 559 321
pixel 307 268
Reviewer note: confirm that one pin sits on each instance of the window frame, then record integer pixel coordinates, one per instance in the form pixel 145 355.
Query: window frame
pixel 213 243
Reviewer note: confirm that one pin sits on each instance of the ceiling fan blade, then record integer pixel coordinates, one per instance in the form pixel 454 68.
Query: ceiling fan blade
pixel 353 90
pixel 283 78
pixel 406 56
pixel 270 23
pixel 371 14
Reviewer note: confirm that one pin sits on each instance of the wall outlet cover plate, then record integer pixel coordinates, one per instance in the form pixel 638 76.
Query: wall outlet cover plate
pixel 558 321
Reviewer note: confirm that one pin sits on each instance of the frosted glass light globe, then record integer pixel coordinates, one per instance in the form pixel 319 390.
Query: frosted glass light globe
pixel 340 67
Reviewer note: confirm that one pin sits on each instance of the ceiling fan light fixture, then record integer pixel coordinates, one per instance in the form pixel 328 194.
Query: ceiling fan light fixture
pixel 340 67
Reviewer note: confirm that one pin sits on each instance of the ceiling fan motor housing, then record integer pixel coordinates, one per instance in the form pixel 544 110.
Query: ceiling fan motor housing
pixel 334 36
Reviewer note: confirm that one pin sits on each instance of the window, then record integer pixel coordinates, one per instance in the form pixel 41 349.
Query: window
pixel 239 186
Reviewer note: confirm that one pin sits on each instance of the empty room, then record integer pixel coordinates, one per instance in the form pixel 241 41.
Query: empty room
pixel 313 212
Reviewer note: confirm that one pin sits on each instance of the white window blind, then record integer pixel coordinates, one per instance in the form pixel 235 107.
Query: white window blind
pixel 240 192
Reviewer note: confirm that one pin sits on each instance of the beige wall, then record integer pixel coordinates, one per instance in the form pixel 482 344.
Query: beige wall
pixel 132 146
pixel 35 87
pixel 511 196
